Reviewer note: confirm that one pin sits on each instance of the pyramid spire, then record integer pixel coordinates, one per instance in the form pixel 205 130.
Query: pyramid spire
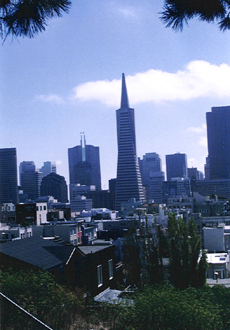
pixel 124 94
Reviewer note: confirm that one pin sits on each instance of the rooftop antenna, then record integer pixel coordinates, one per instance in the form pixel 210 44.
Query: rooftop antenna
pixel 83 144
pixel 124 94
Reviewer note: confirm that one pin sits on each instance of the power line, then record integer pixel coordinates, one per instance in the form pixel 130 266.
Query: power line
pixel 12 302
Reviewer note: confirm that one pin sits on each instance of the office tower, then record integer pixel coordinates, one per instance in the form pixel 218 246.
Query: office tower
pixel 26 166
pixel 176 187
pixel 176 166
pixel 129 183
pixel 156 186
pixel 151 162
pixel 84 165
pixel 112 185
pixel 193 173
pixel 47 168
pixel 30 179
pixel 206 169
pixel 54 185
pixel 219 187
pixel 8 176
pixel 218 133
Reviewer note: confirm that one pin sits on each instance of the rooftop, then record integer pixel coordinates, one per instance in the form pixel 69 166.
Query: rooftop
pixel 87 249
pixel 37 252
pixel 217 258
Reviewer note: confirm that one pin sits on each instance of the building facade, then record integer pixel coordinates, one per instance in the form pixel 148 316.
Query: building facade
pixel 84 165
pixel 30 179
pixel 176 166
pixel 54 185
pixel 151 162
pixel 8 176
pixel 47 168
pixel 213 187
pixel 218 133
pixel 129 184
pixel 156 186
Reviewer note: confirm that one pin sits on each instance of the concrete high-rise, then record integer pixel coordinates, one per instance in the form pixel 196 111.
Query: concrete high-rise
pixel 84 165
pixel 30 179
pixel 129 184
pixel 176 166
pixel 8 176
pixel 218 133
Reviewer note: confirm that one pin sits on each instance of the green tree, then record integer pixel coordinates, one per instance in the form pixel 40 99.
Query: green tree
pixel 41 296
pixel 132 260
pixel 164 307
pixel 28 17
pixel 155 249
pixel 187 267
pixel 177 12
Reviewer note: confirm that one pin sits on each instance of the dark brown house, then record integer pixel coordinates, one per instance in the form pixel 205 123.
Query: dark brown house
pixel 91 268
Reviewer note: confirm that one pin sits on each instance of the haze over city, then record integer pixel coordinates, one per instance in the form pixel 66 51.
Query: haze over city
pixel 67 80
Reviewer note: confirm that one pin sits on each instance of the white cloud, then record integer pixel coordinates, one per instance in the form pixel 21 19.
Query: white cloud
pixel 198 79
pixel 50 98
pixel 198 130
pixel 128 12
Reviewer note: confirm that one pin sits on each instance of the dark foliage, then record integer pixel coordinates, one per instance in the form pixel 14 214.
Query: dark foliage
pixel 28 17
pixel 163 307
pixel 132 260
pixel 187 266
pixel 177 12
pixel 39 295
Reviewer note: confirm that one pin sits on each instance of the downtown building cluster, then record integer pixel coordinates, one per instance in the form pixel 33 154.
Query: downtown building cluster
pixel 137 179
pixel 139 193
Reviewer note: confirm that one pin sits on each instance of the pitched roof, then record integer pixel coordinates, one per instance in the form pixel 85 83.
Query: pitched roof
pixel 37 252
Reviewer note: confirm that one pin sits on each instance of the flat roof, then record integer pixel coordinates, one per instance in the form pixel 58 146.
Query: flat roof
pixel 87 249
pixel 217 258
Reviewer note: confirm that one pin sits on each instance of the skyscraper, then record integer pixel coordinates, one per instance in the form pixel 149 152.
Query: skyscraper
pixel 218 132
pixel 47 168
pixel 129 183
pixel 156 186
pixel 54 185
pixel 151 162
pixel 84 165
pixel 26 166
pixel 8 176
pixel 176 166
pixel 30 179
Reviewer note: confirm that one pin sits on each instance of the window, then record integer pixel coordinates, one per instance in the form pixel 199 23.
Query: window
pixel 99 276
pixel 40 208
pixel 110 264
pixel 44 208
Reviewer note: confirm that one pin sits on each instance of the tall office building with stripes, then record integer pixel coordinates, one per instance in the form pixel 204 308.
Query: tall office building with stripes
pixel 129 183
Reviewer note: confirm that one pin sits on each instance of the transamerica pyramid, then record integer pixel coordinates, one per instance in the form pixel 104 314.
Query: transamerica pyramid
pixel 129 183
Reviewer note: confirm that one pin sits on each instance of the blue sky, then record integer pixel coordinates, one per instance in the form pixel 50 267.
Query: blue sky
pixel 68 79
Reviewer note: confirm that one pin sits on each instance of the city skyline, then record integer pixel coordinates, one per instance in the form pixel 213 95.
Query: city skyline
pixel 67 80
